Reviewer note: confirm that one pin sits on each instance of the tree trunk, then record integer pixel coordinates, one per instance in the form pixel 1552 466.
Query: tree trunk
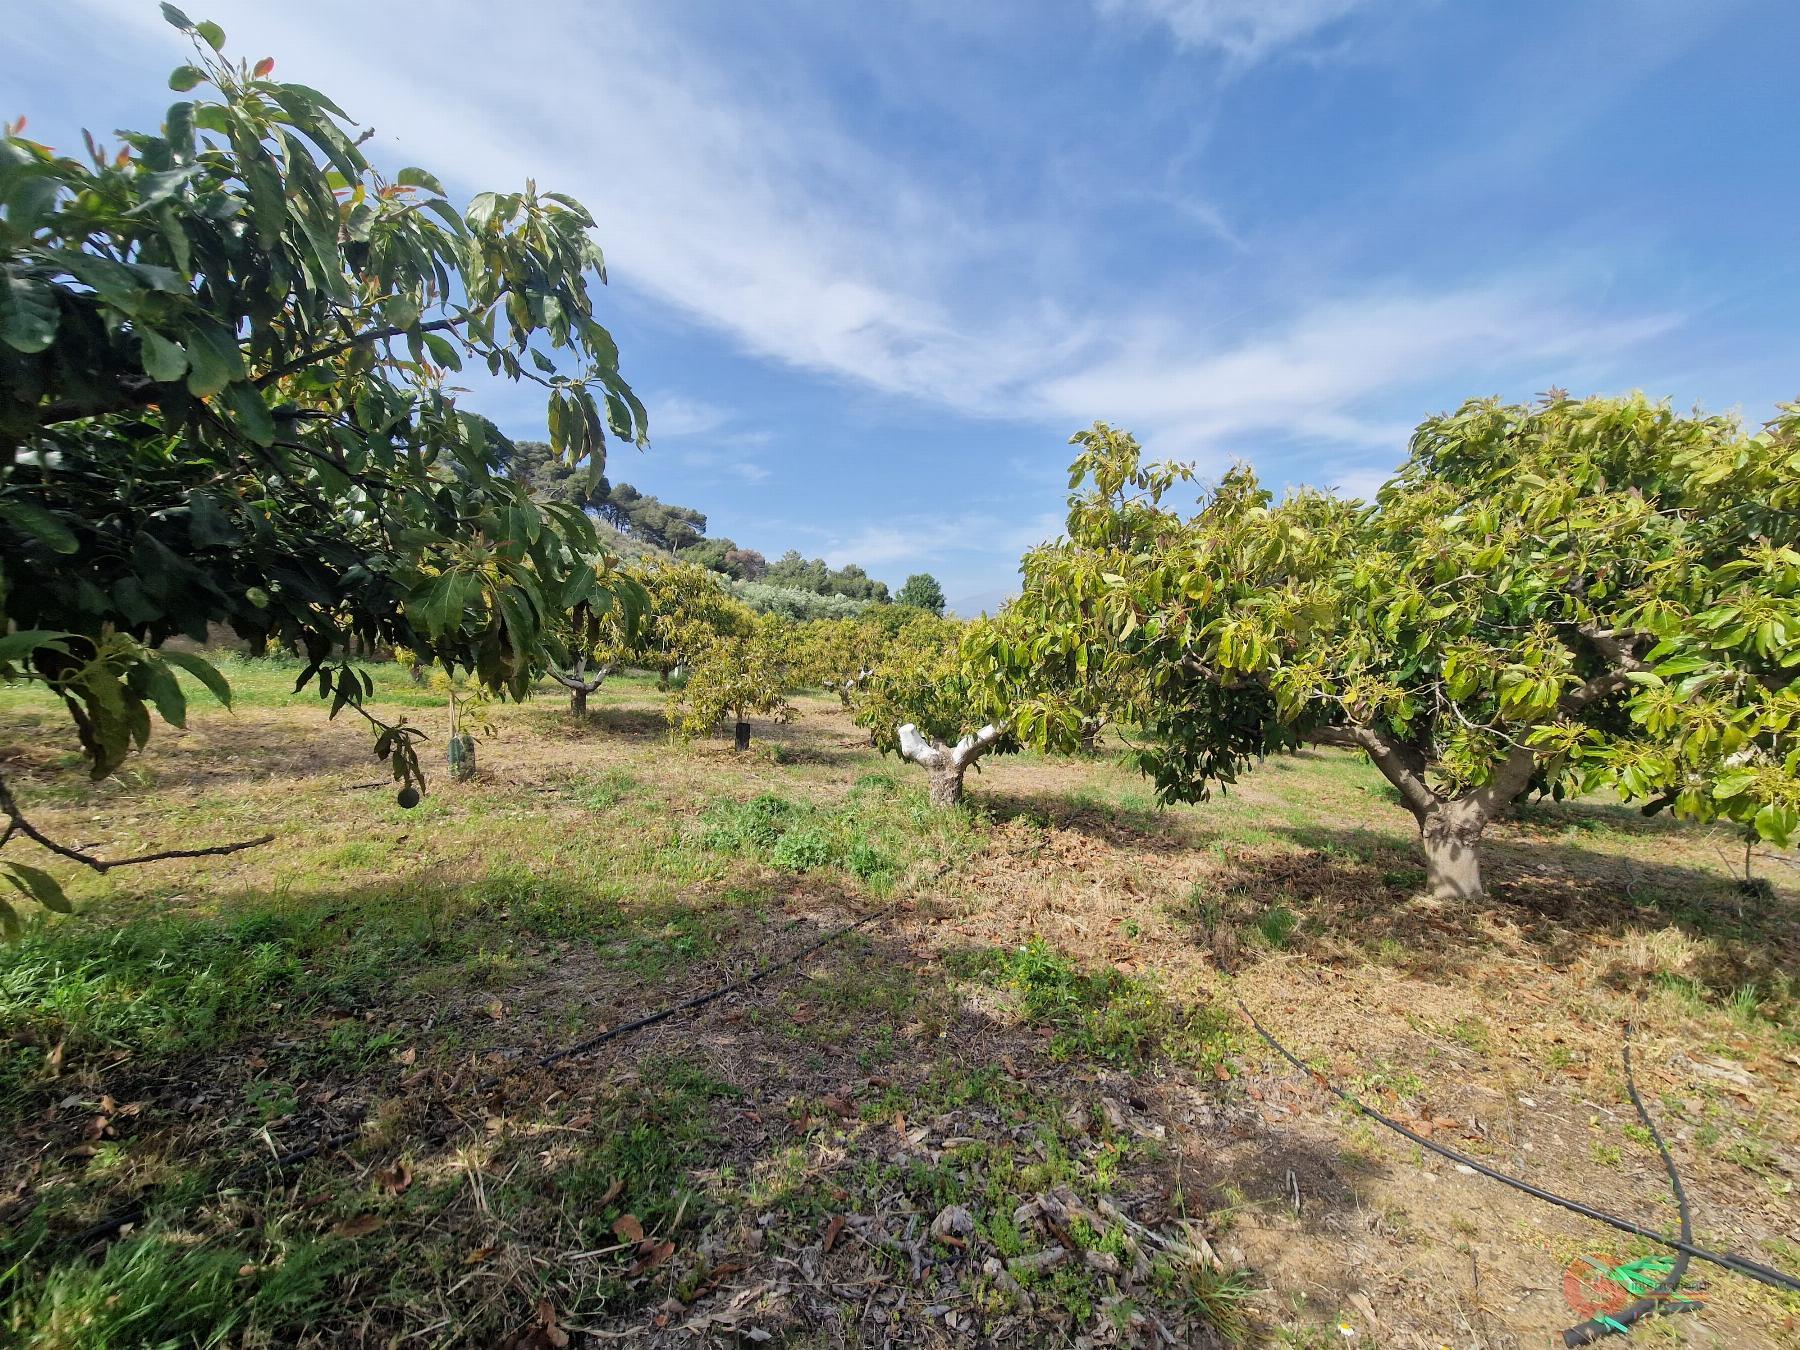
pixel 1451 836
pixel 743 735
pixel 578 700
pixel 946 784
pixel 1449 827
pixel 946 764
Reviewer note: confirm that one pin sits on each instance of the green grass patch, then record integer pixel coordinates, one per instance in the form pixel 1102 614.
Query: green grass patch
pixel 1106 1014
pixel 872 836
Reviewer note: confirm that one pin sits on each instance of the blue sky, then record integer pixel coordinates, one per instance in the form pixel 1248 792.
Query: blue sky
pixel 873 263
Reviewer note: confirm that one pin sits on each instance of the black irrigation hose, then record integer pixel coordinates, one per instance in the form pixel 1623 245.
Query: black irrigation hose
pixel 1741 1265
pixel 1659 1299
pixel 110 1225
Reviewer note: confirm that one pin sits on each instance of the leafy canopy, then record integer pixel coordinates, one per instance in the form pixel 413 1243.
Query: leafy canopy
pixel 1582 593
pixel 224 350
pixel 739 672
pixel 922 591
pixel 921 677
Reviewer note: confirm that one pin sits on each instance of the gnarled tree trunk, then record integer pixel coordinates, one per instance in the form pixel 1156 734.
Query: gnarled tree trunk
pixel 580 684
pixel 1450 828
pixel 945 784
pixel 1452 837
pixel 946 764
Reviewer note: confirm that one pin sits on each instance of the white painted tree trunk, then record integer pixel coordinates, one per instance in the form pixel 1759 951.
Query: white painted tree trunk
pixel 1451 836
pixel 946 764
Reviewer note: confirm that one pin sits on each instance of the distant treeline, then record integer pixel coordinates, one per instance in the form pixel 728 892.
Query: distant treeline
pixel 681 531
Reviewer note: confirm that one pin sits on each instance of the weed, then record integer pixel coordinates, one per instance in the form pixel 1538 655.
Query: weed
pixel 158 1288
pixel 270 1100
pixel 605 790
pixel 1276 925
pixel 1109 1015
pixel 803 850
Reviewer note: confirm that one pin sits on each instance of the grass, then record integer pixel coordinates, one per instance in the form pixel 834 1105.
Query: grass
pixel 1104 1015
pixel 1038 1013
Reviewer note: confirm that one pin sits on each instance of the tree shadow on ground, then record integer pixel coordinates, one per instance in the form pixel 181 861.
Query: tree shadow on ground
pixel 1085 813
pixel 603 720
pixel 1357 889
pixel 697 1159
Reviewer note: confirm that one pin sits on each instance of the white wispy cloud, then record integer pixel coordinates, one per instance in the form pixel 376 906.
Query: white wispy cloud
pixel 674 416
pixel 744 203
pixel 1245 30
pixel 1317 375
pixel 922 540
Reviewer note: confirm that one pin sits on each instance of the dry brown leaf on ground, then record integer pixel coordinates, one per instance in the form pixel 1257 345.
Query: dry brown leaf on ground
pixel 651 1259
pixel 361 1226
pixel 627 1228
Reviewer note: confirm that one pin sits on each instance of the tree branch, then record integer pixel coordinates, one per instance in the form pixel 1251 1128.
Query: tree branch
pixel 331 349
pixel 18 822
pixel 579 679
pixel 920 751
pixel 973 746
pixel 1614 649
pixel 1401 764
pixel 1509 778
pixel 146 393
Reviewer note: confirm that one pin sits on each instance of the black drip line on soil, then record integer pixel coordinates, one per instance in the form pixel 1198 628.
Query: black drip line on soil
pixel 131 1213
pixel 1658 1299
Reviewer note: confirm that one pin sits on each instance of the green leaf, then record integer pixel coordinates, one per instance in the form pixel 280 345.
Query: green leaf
pixel 402 311
pixel 443 351
pixel 419 178
pixel 165 692
pixel 156 188
pixel 40 524
pixel 203 671
pixel 250 412
pixel 164 361
pixel 214 360
pixel 185 78
pixel 177 18
pixel 27 640
pixel 214 35
pixel 28 314
pixel 208 525
pixel 39 885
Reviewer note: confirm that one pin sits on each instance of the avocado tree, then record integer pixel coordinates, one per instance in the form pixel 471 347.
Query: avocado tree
pixel 223 350
pixel 685 606
pixel 738 672
pixel 599 632
pixel 926 702
pixel 838 654
pixel 1576 595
